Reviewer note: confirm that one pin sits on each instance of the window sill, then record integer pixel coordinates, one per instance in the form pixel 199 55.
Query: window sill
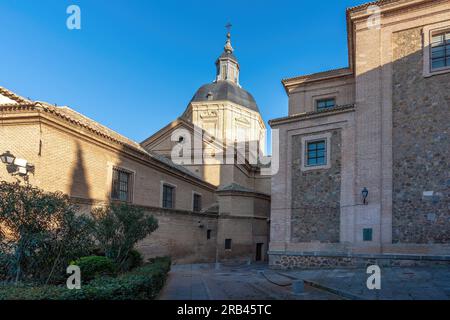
pixel 436 72
pixel 312 168
pixel 120 201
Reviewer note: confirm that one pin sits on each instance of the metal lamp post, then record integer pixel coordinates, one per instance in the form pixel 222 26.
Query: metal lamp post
pixel 365 194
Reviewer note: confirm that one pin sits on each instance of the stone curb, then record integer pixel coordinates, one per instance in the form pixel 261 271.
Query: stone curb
pixel 338 292
pixel 364 256
pixel 341 293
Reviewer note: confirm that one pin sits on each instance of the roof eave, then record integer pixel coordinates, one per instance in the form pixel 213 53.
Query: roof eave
pixel 305 79
pixel 312 115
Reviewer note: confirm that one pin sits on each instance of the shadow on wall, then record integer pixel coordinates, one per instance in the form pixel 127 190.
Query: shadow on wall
pixel 179 235
pixel 79 187
pixel 421 146
pixel 420 149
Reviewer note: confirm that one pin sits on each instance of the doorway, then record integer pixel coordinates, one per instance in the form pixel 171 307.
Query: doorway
pixel 259 253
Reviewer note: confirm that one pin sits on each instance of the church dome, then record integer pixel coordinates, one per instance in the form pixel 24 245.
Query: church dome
pixel 225 90
pixel 226 86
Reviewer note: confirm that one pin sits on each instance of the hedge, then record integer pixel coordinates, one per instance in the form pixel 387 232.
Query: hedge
pixel 140 284
pixel 95 266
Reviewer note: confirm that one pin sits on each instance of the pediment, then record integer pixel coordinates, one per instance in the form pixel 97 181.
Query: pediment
pixel 161 141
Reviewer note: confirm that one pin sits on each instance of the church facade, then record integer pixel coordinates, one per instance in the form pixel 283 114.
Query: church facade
pixel 207 210
pixel 364 155
pixel 365 150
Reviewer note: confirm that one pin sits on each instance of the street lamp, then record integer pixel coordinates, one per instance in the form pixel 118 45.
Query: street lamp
pixel 16 166
pixel 7 158
pixel 365 194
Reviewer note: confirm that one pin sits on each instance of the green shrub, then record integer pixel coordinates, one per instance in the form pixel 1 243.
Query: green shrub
pixel 4 258
pixel 28 292
pixel 44 233
pixel 133 260
pixel 143 283
pixel 119 227
pixel 140 284
pixel 94 266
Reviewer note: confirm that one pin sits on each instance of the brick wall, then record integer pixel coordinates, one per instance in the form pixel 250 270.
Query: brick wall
pixel 68 160
pixel 182 236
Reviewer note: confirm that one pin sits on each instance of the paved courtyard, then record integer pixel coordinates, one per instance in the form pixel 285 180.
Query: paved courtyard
pixel 397 283
pixel 257 282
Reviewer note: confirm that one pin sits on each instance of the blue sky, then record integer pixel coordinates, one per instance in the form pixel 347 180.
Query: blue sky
pixel 135 64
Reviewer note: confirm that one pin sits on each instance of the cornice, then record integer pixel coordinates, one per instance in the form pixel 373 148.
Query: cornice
pixel 244 194
pixel 355 14
pixel 312 115
pixel 97 202
pixel 386 7
pixel 228 105
pixel 315 77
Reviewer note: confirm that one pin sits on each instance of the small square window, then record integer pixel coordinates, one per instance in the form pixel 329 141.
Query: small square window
pixel 325 104
pixel 316 153
pixel 227 244
pixel 367 234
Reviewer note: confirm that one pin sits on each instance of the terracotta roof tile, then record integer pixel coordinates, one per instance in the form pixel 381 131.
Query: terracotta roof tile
pixel 11 95
pixel 368 4
pixel 76 118
pixel 80 119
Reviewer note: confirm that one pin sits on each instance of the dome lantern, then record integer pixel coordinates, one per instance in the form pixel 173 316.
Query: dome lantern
pixel 227 64
pixel 226 86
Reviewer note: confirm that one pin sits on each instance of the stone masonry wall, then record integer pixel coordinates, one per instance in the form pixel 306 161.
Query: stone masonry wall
pixel 421 146
pixel 316 196
pixel 285 262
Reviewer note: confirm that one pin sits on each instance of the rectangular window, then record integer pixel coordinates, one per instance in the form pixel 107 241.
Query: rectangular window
pixel 440 50
pixel 316 153
pixel 325 104
pixel 168 196
pixel 121 185
pixel 197 205
pixel 367 234
pixel 208 234
pixel 227 244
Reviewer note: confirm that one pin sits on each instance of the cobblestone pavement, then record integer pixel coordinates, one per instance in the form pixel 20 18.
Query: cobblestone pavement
pixel 397 283
pixel 254 282
pixel 257 282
